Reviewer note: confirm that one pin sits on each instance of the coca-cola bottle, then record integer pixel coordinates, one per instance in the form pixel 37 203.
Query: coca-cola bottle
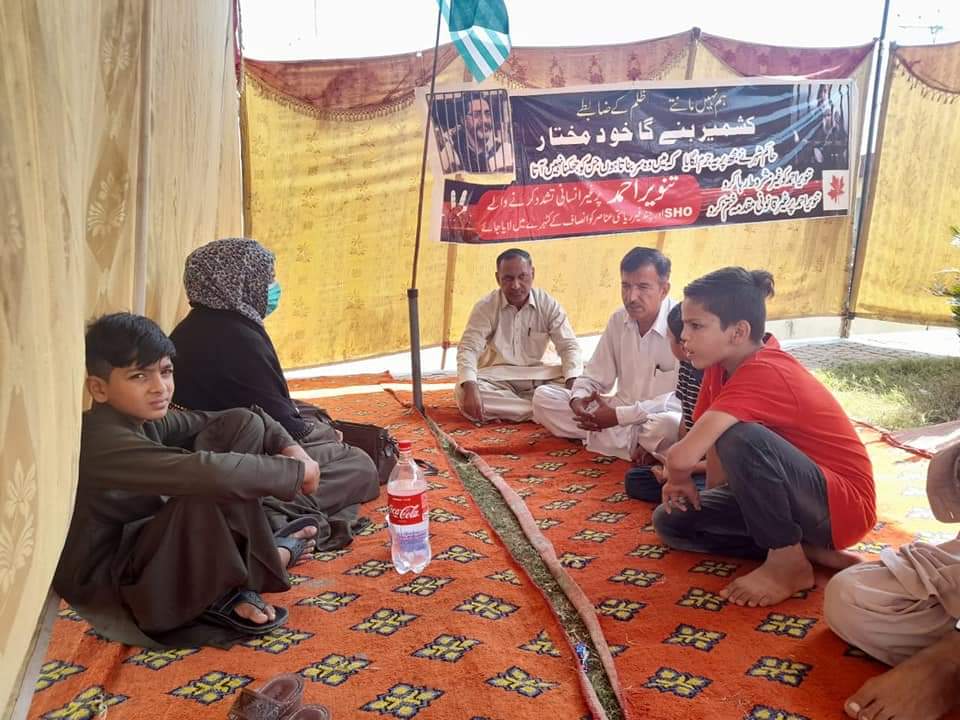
pixel 409 522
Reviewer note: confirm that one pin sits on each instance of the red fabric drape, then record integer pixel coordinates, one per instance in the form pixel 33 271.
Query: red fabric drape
pixel 937 66
pixel 752 59
pixel 367 86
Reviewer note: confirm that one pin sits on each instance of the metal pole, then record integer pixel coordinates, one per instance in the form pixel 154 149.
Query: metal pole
pixel 412 299
pixel 141 240
pixel 414 308
pixel 867 170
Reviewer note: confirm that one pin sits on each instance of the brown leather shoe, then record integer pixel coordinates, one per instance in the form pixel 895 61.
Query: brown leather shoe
pixel 277 700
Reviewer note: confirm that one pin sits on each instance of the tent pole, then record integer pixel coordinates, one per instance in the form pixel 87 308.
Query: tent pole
pixel 865 186
pixel 412 293
pixel 449 286
pixel 141 241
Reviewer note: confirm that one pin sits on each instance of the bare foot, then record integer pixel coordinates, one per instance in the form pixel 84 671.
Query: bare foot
pixel 254 615
pixel 833 559
pixel 924 687
pixel 785 571
pixel 305 533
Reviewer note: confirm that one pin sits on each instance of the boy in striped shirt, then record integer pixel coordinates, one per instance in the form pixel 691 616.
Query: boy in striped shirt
pixel 643 482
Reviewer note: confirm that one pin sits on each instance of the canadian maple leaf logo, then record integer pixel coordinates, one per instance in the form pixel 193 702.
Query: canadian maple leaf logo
pixel 837 188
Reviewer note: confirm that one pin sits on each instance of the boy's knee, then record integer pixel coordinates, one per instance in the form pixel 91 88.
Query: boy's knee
pixel 239 417
pixel 367 475
pixel 738 440
pixel 247 425
pixel 670 527
pixel 234 430
pixel 840 608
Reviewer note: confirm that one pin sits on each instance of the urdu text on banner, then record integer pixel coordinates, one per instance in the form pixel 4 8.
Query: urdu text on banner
pixel 531 165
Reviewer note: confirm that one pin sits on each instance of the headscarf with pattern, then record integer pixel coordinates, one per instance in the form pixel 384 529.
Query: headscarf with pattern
pixel 230 274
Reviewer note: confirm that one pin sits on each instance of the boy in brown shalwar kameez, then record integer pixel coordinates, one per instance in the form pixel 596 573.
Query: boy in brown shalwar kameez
pixel 169 544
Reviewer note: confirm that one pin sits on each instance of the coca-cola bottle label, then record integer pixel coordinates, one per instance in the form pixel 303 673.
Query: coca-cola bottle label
pixel 407 509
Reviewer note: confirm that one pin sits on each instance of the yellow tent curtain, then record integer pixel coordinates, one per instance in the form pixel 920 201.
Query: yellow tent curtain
pixel 101 210
pixel 336 202
pixel 75 81
pixel 332 190
pixel 916 198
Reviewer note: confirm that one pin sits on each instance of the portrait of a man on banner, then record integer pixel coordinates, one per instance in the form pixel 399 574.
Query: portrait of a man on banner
pixel 473 132
pixel 828 134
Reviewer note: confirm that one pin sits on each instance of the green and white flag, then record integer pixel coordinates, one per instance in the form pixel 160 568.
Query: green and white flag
pixel 480 32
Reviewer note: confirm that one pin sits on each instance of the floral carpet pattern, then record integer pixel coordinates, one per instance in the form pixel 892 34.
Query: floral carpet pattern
pixel 471 638
pixel 679 649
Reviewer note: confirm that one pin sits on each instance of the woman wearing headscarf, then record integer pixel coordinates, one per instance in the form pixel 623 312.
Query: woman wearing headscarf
pixel 225 359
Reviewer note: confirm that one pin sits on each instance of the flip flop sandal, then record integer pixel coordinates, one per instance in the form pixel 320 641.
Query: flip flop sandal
pixel 296 546
pixel 428 467
pixel 221 613
pixel 360 523
pixel 311 712
pixel 277 699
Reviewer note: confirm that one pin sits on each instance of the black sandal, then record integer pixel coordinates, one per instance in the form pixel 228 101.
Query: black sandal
pixel 428 467
pixel 296 546
pixel 222 613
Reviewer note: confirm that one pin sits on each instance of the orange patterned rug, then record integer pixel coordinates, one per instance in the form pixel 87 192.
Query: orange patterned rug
pixel 680 651
pixel 470 638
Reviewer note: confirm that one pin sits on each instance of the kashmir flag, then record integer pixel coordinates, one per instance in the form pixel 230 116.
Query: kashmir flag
pixel 480 32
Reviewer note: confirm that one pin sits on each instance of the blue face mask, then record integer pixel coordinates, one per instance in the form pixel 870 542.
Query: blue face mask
pixel 273 296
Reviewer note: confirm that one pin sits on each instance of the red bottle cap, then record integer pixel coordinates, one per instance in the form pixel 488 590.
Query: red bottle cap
pixel 405 445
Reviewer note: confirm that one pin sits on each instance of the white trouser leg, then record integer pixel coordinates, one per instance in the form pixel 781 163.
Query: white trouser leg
pixel 869 607
pixel 502 400
pixel 659 431
pixel 551 408
pixel 616 441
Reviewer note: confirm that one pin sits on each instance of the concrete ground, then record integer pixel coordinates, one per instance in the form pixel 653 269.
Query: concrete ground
pixel 828 352
pixel 877 341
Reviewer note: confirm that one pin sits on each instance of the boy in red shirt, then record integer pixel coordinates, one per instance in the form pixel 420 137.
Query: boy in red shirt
pixel 788 480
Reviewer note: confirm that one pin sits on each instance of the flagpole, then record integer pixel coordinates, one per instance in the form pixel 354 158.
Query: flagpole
pixel 865 186
pixel 412 292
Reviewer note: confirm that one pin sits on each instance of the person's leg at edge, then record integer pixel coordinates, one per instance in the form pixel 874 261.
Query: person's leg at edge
pixel 924 687
pixel 867 606
pixel 783 498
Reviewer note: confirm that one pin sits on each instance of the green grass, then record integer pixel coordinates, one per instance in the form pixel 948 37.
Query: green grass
pixel 897 394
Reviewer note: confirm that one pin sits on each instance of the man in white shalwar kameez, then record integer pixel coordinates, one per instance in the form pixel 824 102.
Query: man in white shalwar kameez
pixel 633 361
pixel 504 354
